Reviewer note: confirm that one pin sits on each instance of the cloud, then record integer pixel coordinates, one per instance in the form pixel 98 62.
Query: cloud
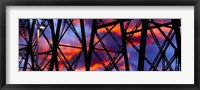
pixel 71 40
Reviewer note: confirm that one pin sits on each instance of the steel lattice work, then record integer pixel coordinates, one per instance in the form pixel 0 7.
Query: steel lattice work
pixel 99 45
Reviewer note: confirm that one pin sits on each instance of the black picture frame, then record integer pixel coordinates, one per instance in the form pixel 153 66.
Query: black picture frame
pixel 4 3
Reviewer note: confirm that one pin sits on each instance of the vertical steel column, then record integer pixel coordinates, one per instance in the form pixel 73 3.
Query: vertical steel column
pixel 29 46
pixel 124 50
pixel 84 46
pixel 145 23
pixel 55 36
pixel 91 46
pixel 176 23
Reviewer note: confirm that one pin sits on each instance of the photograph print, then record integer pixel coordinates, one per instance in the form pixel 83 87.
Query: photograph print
pixel 73 44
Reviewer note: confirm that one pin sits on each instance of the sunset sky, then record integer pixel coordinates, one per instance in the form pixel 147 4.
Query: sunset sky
pixel 71 39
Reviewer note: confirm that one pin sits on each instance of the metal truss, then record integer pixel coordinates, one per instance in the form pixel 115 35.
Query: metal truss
pixel 28 51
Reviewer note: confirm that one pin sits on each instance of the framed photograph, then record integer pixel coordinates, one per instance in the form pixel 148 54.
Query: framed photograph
pixel 102 45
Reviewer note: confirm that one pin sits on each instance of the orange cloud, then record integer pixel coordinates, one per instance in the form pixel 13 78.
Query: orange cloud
pixel 43 45
pixel 135 39
pixel 108 20
pixel 61 66
pixel 122 67
pixel 115 30
pixel 150 39
pixel 76 21
pixel 94 66
pixel 131 27
pixel 69 52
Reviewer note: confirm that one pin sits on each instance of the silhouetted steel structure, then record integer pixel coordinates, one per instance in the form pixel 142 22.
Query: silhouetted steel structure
pixel 28 30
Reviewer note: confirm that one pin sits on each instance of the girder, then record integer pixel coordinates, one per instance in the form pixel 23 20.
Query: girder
pixel 99 45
